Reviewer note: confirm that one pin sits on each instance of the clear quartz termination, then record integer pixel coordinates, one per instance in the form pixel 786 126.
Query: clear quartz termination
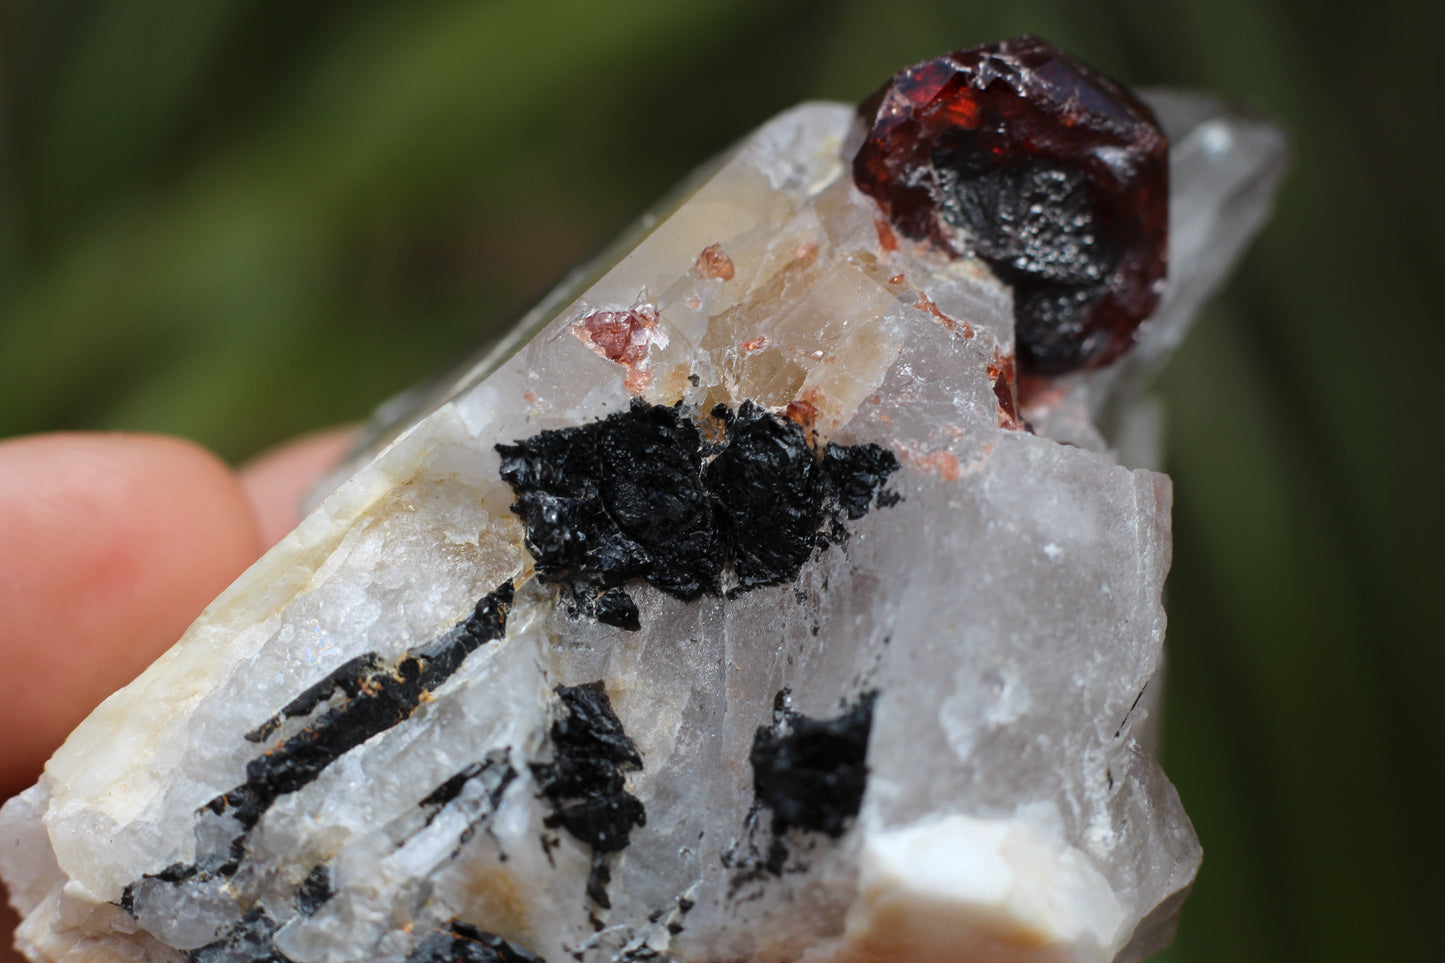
pixel 417 729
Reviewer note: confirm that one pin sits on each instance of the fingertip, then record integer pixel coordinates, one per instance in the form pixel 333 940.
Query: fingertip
pixel 114 543
pixel 276 481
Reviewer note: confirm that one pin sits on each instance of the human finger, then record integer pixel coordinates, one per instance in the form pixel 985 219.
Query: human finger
pixel 276 481
pixel 112 545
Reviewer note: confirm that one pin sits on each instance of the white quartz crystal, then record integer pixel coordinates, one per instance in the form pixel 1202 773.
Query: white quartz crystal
pixel 1006 612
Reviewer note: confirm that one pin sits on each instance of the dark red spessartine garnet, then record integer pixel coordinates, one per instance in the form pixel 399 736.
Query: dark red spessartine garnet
pixel 1052 174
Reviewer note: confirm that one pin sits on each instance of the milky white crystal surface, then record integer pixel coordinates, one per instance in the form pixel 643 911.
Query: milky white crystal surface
pixel 1007 611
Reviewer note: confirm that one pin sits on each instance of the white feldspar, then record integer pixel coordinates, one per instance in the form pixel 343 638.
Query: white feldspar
pixel 1006 611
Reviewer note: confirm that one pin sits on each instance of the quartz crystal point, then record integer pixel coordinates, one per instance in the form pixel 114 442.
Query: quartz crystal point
pixel 739 606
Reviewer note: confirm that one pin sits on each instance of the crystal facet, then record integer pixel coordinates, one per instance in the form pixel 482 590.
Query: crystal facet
pixel 738 607
pixel 1054 175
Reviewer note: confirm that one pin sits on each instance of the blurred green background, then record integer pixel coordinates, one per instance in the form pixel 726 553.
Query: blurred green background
pixel 237 221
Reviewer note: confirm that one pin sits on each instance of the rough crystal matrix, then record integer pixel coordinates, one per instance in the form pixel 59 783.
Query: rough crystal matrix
pixel 737 607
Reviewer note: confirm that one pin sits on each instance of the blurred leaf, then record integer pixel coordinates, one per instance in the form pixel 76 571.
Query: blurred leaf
pixel 122 90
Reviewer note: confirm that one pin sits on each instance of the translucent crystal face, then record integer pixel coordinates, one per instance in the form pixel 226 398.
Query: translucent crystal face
pixel 732 613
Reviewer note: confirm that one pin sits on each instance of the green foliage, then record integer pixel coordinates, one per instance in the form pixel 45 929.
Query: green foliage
pixel 238 221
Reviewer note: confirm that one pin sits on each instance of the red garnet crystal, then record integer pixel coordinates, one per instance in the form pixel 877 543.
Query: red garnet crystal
pixel 1055 176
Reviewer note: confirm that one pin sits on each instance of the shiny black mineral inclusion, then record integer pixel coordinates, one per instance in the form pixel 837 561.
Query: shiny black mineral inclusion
pixel 643 494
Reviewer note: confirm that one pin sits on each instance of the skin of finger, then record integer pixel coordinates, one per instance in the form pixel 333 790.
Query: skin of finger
pixel 113 544
pixel 276 482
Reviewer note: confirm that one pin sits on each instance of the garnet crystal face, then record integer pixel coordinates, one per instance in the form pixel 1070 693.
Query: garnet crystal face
pixel 1052 174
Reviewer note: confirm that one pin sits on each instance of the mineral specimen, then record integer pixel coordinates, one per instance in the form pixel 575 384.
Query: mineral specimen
pixel 740 606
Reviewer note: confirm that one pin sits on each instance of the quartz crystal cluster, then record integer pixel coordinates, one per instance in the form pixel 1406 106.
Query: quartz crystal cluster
pixel 744 604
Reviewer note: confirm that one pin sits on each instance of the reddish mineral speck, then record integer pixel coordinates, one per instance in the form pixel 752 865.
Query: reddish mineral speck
pixel 952 324
pixel 623 337
pixel 943 463
pixel 1052 174
pixel 1001 373
pixel 714 263
pixel 886 238
pixel 802 412
pixel 755 344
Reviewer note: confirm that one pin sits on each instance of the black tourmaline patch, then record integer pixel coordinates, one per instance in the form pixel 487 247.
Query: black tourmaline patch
pixel 463 943
pixel 811 773
pixel 585 780
pixel 315 890
pixel 493 774
pixel 249 941
pixel 495 765
pixel 859 473
pixel 365 697
pixel 376 695
pixel 768 493
pixel 642 494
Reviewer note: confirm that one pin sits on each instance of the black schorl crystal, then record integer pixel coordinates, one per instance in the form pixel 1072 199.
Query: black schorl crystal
pixel 376 694
pixel 315 890
pixel 495 765
pixel 859 473
pixel 642 494
pixel 249 941
pixel 363 697
pixel 586 781
pixel 811 773
pixel 463 943
pixel 492 775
